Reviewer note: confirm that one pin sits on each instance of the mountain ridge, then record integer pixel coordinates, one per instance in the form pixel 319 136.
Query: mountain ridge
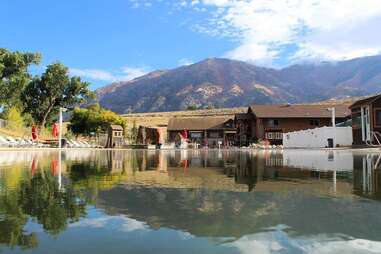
pixel 220 82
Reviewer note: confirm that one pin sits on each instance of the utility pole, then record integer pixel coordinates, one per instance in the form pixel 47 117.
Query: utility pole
pixel 60 147
pixel 333 112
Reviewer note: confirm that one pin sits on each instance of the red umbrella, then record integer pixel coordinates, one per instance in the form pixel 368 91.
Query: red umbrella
pixel 54 167
pixel 55 130
pixel 34 132
pixel 184 134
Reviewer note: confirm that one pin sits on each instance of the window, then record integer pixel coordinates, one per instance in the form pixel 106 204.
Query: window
pixel 214 134
pixel 229 124
pixel 356 119
pixel 196 134
pixel 273 122
pixel 314 122
pixel 378 117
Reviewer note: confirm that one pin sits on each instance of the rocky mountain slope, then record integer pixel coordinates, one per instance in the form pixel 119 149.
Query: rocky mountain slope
pixel 220 83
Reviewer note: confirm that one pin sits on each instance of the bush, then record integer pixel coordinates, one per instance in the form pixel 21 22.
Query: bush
pixel 14 118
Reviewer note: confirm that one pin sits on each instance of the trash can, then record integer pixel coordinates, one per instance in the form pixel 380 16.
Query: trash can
pixel 330 142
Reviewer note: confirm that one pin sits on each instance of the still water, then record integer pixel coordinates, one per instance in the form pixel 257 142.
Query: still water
pixel 93 201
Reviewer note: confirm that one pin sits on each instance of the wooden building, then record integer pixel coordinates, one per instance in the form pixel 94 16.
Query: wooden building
pixel 151 135
pixel 244 128
pixel 271 121
pixel 366 120
pixel 115 137
pixel 210 131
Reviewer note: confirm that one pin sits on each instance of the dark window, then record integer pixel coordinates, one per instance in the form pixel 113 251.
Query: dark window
pixel 314 122
pixel 273 122
pixel 214 134
pixel 378 117
pixel 356 120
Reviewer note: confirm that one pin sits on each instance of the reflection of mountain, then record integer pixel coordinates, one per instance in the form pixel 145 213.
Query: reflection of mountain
pixel 219 213
pixel 201 199
pixel 201 192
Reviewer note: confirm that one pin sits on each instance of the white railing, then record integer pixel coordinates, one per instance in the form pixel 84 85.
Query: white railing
pixel 375 139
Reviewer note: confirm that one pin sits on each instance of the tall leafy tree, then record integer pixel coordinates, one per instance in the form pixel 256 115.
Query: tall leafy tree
pixel 93 119
pixel 14 75
pixel 54 89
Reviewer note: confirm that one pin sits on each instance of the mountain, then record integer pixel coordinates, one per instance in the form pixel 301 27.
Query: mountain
pixel 228 83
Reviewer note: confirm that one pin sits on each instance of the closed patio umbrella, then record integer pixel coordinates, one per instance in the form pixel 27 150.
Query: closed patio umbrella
pixel 55 130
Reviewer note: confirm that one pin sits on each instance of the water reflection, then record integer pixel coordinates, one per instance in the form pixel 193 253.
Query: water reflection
pixel 35 194
pixel 235 198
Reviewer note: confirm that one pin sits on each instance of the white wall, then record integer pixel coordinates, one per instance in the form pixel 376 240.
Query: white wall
pixel 318 137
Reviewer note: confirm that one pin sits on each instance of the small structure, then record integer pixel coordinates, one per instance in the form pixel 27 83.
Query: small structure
pixel 271 121
pixel 207 131
pixel 150 135
pixel 319 138
pixel 115 137
pixel 366 120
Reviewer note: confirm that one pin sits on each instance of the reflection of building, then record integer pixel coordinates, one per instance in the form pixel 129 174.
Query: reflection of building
pixel 210 131
pixel 305 195
pixel 271 121
pixel 367 175
pixel 330 172
pixel 366 118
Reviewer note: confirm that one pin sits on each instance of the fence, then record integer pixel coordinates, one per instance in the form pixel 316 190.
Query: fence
pixel 3 123
pixel 319 137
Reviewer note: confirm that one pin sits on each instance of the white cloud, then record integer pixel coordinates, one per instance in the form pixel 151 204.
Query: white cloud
pixel 323 29
pixel 281 242
pixel 185 61
pixel 92 74
pixel 140 3
pixel 129 73
pixel 121 223
pixel 125 73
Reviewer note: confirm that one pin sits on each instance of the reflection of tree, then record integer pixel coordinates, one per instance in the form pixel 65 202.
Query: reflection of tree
pixel 12 222
pixel 40 198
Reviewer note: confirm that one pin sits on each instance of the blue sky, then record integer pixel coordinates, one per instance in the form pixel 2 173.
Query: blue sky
pixel 108 41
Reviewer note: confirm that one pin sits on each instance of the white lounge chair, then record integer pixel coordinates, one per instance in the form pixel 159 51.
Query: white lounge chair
pixel 83 144
pixel 4 142
pixel 76 144
pixel 12 142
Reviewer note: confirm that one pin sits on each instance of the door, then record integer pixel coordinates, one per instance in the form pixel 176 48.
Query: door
pixel 365 123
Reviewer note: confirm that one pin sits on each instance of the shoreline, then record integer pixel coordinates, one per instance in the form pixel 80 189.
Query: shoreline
pixel 355 149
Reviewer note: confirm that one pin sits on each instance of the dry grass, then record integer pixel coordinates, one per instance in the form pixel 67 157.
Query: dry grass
pixel 27 132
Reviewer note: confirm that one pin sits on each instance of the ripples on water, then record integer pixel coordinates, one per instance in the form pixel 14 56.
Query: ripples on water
pixel 96 201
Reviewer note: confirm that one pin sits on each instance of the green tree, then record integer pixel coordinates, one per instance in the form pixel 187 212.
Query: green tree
pixel 14 75
pixel 134 132
pixel 93 119
pixel 54 89
pixel 192 107
pixel 15 119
